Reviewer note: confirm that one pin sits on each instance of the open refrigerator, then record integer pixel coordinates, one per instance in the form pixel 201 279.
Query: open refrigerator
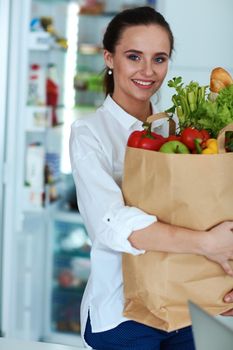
pixel 51 72
pixel 45 250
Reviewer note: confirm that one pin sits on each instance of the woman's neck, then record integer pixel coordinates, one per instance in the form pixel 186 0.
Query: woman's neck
pixel 139 109
pixel 141 112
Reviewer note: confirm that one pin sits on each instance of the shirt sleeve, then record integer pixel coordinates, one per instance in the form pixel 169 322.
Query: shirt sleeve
pixel 108 220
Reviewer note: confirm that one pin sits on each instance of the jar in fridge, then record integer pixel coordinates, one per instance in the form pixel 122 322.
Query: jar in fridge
pixel 36 85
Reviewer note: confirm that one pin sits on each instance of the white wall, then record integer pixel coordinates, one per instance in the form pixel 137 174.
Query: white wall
pixel 203 32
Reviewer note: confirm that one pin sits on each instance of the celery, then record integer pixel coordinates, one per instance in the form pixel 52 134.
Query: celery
pixel 192 100
pixel 187 101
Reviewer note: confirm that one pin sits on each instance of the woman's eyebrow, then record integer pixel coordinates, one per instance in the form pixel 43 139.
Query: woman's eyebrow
pixel 133 50
pixel 141 52
pixel 162 54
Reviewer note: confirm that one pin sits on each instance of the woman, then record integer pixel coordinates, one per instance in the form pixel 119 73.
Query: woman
pixel 138 44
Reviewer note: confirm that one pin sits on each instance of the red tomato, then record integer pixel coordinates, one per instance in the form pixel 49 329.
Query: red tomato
pixel 65 278
pixel 174 138
pixel 205 134
pixel 152 144
pixel 188 137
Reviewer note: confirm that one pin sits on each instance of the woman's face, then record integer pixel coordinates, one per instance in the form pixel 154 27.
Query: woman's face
pixel 140 63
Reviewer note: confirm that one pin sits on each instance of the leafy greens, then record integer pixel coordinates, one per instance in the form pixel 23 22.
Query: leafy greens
pixel 193 106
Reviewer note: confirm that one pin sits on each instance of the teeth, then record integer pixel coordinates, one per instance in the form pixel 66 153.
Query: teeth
pixel 145 83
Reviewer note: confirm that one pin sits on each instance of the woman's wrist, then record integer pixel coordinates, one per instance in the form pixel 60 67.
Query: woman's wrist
pixel 203 242
pixel 189 241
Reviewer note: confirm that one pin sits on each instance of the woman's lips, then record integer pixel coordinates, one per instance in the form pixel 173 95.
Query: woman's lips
pixel 143 84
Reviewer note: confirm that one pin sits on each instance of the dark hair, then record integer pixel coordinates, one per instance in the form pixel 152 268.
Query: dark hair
pixel 131 17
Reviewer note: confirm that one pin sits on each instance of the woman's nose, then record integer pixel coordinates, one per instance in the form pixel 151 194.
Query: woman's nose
pixel 147 68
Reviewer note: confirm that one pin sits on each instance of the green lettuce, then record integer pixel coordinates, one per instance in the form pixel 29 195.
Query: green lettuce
pixel 215 115
pixel 194 108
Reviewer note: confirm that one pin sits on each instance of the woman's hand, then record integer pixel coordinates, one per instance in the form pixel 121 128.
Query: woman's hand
pixel 220 246
pixel 228 299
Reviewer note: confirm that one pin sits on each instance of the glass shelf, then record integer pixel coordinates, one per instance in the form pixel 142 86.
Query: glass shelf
pixel 43 41
pixel 90 51
pixel 102 14
pixel 49 2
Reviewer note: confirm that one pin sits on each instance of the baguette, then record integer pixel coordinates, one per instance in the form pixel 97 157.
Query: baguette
pixel 219 79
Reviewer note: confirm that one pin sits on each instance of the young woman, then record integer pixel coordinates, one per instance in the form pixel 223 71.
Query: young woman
pixel 138 44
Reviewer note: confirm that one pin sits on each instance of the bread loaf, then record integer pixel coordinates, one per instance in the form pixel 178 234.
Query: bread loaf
pixel 219 79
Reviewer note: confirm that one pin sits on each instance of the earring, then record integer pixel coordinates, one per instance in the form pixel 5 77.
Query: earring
pixel 109 71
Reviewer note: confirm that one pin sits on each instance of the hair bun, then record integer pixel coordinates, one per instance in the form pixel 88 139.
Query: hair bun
pixel 219 79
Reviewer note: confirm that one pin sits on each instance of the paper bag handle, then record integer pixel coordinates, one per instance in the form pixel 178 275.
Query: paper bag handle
pixel 163 115
pixel 172 128
pixel 221 138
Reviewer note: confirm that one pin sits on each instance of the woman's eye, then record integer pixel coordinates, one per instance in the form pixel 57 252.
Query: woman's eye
pixel 134 57
pixel 159 59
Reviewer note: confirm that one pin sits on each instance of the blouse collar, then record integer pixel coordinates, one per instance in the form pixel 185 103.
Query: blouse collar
pixel 126 119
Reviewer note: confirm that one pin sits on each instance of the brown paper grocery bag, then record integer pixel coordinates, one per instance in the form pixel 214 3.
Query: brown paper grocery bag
pixel 193 191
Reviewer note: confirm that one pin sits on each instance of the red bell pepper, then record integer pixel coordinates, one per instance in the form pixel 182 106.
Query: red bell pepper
pixel 146 139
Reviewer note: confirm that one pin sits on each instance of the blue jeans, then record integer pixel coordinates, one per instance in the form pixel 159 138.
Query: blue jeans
pixel 131 335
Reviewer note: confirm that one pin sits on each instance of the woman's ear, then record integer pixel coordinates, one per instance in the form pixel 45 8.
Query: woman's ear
pixel 108 58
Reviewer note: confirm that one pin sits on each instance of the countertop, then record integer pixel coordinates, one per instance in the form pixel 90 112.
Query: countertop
pixel 14 344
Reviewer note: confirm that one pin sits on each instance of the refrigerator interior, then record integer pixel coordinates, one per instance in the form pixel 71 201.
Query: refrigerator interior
pixel 37 183
pixel 46 248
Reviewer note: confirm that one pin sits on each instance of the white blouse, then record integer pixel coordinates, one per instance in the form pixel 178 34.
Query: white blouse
pixel 97 150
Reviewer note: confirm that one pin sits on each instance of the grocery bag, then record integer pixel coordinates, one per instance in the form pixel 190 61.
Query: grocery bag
pixel 189 190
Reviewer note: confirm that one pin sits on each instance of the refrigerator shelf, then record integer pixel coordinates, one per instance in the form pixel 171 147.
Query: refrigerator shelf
pixel 72 216
pixel 77 290
pixel 38 118
pixel 39 40
pixel 43 41
pixel 33 201
pixel 65 339
pixel 84 252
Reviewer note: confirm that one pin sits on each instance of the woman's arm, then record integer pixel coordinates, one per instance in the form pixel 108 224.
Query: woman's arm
pixel 108 221
pixel 215 244
pixel 121 228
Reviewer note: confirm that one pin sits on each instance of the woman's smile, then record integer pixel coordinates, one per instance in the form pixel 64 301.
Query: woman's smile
pixel 143 84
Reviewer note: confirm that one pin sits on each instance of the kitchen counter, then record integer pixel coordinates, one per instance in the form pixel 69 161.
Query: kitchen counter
pixel 14 344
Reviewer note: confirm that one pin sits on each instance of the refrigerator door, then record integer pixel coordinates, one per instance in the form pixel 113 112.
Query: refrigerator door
pixel 4 50
pixel 13 16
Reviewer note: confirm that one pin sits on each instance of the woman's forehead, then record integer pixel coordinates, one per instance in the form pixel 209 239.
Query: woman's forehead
pixel 143 37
